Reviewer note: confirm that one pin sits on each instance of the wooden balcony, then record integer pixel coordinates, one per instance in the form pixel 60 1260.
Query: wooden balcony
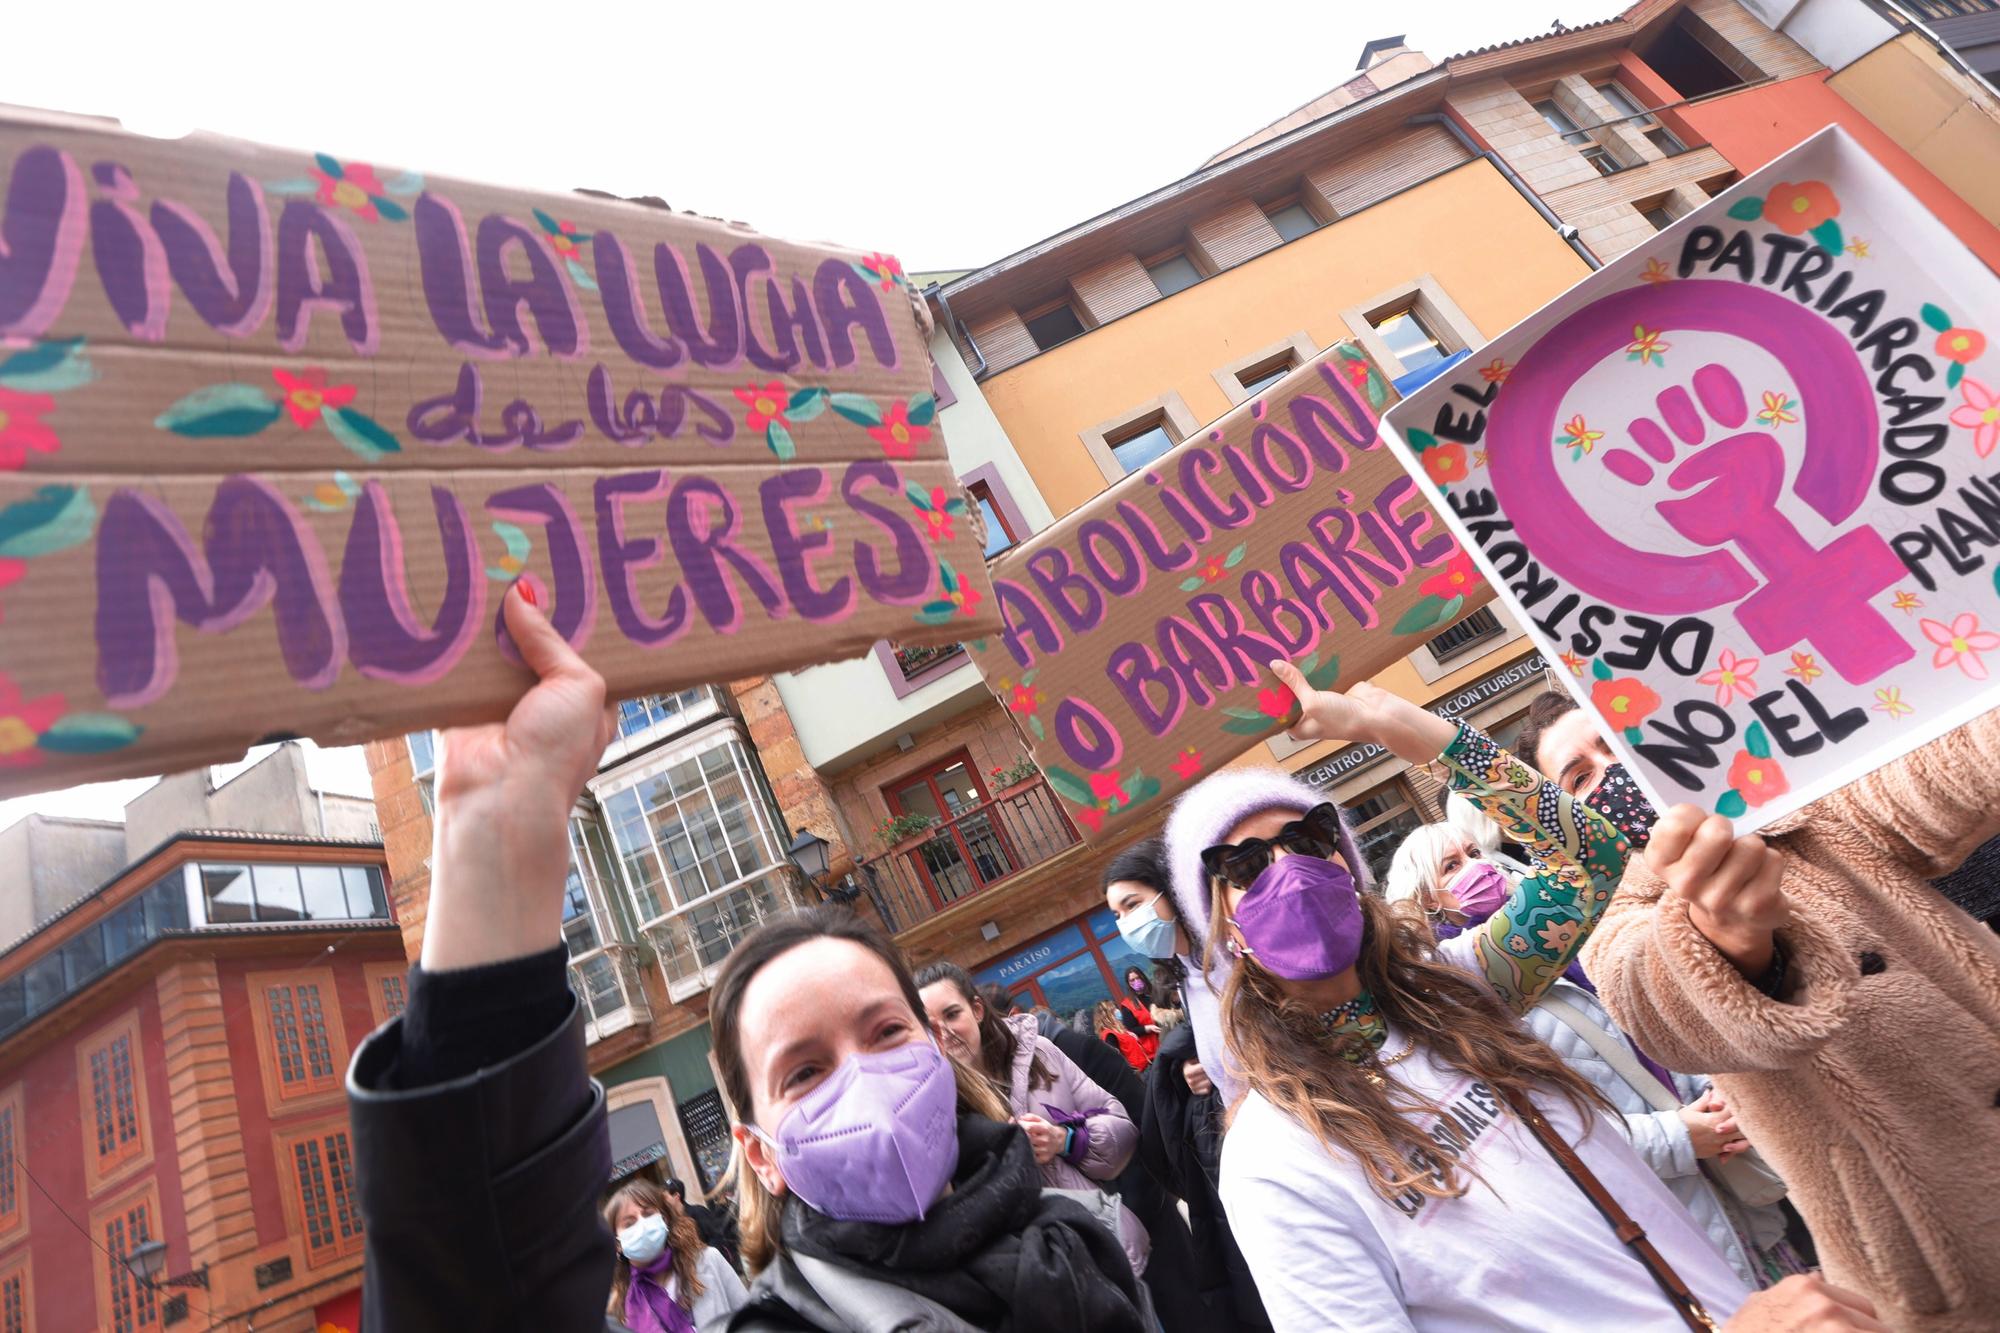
pixel 1015 830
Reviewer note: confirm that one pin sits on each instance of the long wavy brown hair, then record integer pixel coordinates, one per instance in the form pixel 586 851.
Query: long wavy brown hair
pixel 683 1239
pixel 997 1042
pixel 1287 1055
pixel 760 1214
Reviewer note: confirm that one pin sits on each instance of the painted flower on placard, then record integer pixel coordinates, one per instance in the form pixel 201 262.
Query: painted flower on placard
pixel 883 270
pixel 1213 569
pixel 22 430
pixel 1961 345
pixel 1479 458
pixel 566 241
pixel 1906 601
pixel 1579 437
pixel 1624 701
pixel 937 524
pixel 22 722
pixel 1275 702
pixel 1960 643
pixel 1091 817
pixel 1732 676
pixel 766 404
pixel 350 185
pixel 1646 347
pixel 1108 788
pixel 1858 248
pixel 1187 763
pixel 1796 209
pixel 1779 409
pixel 1444 463
pixel 307 394
pixel 1025 698
pixel 1805 667
pixel 1889 700
pixel 1757 780
pixel 1573 662
pixel 897 436
pixel 1980 414
pixel 1655 272
pixel 965 597
pixel 1356 372
pixel 1495 371
pixel 1457 578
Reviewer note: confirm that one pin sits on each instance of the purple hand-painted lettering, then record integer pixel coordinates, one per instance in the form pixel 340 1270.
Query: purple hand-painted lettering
pixel 387 640
pixel 41 241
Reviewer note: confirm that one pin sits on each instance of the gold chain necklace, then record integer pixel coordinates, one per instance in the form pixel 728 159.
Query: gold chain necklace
pixel 1380 1063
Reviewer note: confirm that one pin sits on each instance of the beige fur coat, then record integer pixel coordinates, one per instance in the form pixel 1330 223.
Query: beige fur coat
pixel 1874 1087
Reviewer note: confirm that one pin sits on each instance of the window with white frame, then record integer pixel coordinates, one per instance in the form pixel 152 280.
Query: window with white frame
pixel 690 830
pixel 1593 151
pixel 587 925
pixel 423 767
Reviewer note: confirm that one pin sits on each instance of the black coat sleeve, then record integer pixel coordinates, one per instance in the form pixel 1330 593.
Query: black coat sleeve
pixel 1107 1069
pixel 480 1190
pixel 1162 1129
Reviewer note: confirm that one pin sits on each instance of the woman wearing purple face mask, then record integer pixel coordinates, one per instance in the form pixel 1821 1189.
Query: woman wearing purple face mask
pixel 879 1185
pixel 1377 1173
pixel 1451 877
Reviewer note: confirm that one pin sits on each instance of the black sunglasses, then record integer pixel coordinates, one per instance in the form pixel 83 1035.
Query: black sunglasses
pixel 1239 863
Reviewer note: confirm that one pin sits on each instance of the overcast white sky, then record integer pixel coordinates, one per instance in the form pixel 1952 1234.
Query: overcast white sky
pixel 947 134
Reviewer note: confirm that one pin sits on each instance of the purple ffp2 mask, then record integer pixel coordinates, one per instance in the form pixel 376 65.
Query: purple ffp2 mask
pixel 1480 887
pixel 877 1140
pixel 1301 919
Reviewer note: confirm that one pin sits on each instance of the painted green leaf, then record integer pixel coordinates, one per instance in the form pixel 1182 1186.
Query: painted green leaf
pixel 937 613
pixel 955 505
pixel 514 538
pixel 806 404
pixel 1747 210
pixel 1069 786
pixel 866 275
pixel 580 276
pixel 1634 736
pixel 1419 617
pixel 89 733
pixel 410 182
pixel 1378 392
pixel 1306 667
pixel 1144 789
pixel 1933 316
pixel 918 496
pixel 549 224
pixel 292 185
pixel 1420 440
pixel 1349 352
pixel 1325 675
pixel 329 164
pixel 1599 670
pixel 361 433
pixel 48 367
pixel 922 410
pixel 1731 804
pixel 1248 726
pixel 1954 375
pixel 1027 677
pixel 1236 554
pixel 1035 725
pixel 221 410
pixel 1190 583
pixel 389 208
pixel 1828 235
pixel 1756 742
pixel 857 407
pixel 947 576
pixel 780 441
pixel 55 518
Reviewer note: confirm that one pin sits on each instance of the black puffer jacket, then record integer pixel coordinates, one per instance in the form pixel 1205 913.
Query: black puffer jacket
pixel 1180 1141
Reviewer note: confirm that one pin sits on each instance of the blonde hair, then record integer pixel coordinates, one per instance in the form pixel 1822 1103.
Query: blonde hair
pixel 682 1238
pixel 1413 870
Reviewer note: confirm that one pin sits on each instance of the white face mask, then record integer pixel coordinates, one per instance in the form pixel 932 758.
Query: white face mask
pixel 645 1240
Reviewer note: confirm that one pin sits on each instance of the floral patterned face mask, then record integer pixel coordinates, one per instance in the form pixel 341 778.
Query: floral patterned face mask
pixel 1619 800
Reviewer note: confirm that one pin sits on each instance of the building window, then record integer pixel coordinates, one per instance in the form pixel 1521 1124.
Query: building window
pixel 1413 342
pixel 243 894
pixel 391 994
pixel 1475 629
pixel 1952 9
pixel 10 1143
pixel 423 767
pixel 318 1171
pixel 1593 152
pixel 1688 54
pixel 299 1040
pixel 637 716
pixel 1664 139
pixel 941 388
pixel 1658 215
pixel 1054 326
pixel 705 1126
pixel 1291 219
pixel 133 1305
pixel 1173 273
pixel 1255 379
pixel 111 1091
pixel 1000 534
pixel 1141 442
pixel 1382 819
pixel 14 1299
pixel 690 830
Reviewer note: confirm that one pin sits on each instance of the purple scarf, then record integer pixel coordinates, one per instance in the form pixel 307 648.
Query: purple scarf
pixel 648 1308
pixel 1574 972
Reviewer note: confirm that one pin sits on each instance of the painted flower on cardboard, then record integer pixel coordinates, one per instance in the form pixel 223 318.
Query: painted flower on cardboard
pixel 937 524
pixel 1960 644
pixel 1025 698
pixel 350 185
pixel 1647 347
pixel 1657 273
pixel 1444 463
pixel 898 437
pixel 1213 569
pixel 1108 787
pixel 22 430
pixel 1797 209
pixel 22 722
pixel 1806 667
pixel 1906 601
pixel 1732 676
pixel 1757 780
pixel 565 241
pixel 1457 578
pixel 1779 409
pixel 1980 414
pixel 1495 371
pixel 1889 699
pixel 1573 662
pixel 1578 437
pixel 965 597
pixel 1961 345
pixel 1625 701
pixel 1187 763
pixel 765 404
pixel 307 394
pixel 1276 702
pixel 883 270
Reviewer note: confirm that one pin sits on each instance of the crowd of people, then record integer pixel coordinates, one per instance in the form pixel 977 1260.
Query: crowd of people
pixel 1577 1064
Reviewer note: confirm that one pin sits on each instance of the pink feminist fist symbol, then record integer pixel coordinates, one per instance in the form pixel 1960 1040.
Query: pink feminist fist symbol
pixel 1818 595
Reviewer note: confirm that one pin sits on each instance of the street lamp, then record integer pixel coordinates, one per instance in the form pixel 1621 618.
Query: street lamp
pixel 149 1257
pixel 808 853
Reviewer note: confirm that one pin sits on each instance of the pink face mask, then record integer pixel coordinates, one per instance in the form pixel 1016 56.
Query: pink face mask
pixel 1480 887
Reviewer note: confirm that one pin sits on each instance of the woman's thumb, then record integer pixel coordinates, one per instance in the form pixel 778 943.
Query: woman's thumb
pixel 544 650
pixel 1293 679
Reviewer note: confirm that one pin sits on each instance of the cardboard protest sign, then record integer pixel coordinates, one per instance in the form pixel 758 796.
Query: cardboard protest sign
pixel 1136 633
pixel 1740 483
pixel 277 430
